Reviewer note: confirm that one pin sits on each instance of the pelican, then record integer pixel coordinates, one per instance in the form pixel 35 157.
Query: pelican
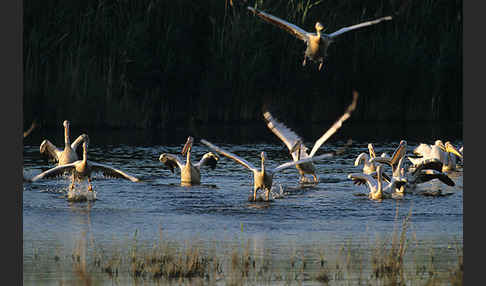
pixel 365 159
pixel 318 42
pixel 375 185
pixel 82 169
pixel 394 159
pixel 263 178
pixel 439 151
pixel 427 170
pixel 190 173
pixel 66 156
pixel 294 143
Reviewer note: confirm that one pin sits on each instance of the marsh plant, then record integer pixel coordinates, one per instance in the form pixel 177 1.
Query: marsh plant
pixel 395 259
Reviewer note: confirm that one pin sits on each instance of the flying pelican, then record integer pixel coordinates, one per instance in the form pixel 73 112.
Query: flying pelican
pixel 66 156
pixel 82 169
pixel 294 143
pixel 438 151
pixel 263 178
pixel 190 173
pixel 375 185
pixel 317 43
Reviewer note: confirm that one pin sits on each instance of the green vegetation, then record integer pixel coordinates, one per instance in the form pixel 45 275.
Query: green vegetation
pixel 155 63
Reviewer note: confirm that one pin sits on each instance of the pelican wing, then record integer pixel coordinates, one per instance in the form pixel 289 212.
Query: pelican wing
pixel 431 164
pixel 289 27
pixel 81 138
pixel 427 175
pixel 56 171
pixel 31 128
pixel 399 152
pixel 357 26
pixel 229 155
pixel 209 159
pixel 50 150
pixel 171 161
pixel 285 134
pixel 360 178
pixel 335 127
pixel 308 159
pixel 111 172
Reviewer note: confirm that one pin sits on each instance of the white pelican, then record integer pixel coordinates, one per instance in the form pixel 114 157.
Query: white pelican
pixel 66 156
pixel 375 185
pixel 395 158
pixel 190 173
pixel 294 143
pixel 82 169
pixel 263 178
pixel 438 151
pixel 317 43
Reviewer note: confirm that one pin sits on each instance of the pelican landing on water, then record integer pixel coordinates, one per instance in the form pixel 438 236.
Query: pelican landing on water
pixel 82 169
pixel 66 156
pixel 190 173
pixel 295 145
pixel 318 42
pixel 262 178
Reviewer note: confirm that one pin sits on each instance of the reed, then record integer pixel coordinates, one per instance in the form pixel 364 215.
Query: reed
pixel 155 63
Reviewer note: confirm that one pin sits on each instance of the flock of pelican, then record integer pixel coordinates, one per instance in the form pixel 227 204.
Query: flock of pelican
pixel 428 163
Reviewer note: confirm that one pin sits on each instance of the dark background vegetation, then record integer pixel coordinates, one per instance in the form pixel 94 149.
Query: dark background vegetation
pixel 159 64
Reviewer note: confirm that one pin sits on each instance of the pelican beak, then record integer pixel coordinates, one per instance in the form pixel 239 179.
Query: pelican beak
pixel 451 149
pixel 399 152
pixel 371 149
pixel 188 145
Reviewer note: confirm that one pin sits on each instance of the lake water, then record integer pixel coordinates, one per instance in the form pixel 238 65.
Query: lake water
pixel 218 211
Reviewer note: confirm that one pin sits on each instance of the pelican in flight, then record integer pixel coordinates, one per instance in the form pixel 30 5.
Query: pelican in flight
pixel 295 144
pixel 66 156
pixel 82 169
pixel 375 185
pixel 262 178
pixel 439 151
pixel 318 42
pixel 190 173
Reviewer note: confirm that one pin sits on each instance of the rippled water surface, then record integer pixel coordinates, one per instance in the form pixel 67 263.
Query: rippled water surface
pixel 219 210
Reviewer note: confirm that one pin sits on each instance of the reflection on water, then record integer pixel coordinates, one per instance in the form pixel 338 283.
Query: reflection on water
pixel 298 221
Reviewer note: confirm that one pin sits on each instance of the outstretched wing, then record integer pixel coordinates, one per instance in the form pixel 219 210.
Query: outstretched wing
pixel 427 175
pixel 229 155
pixel 50 150
pixel 171 161
pixel 109 171
pixel 308 159
pixel 335 127
pixel 54 172
pixel 288 137
pixel 289 27
pixel 209 159
pixel 31 128
pixel 81 138
pixel 360 178
pixel 357 26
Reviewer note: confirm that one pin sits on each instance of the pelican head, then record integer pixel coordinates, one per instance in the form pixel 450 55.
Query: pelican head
pixel 188 145
pixel 451 149
pixel 263 155
pixel 361 157
pixel 440 144
pixel 66 124
pixel 319 27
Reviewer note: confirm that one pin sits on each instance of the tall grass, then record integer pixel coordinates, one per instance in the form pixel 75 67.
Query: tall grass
pixel 155 63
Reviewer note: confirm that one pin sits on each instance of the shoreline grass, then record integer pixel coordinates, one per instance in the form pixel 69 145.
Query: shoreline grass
pixel 396 258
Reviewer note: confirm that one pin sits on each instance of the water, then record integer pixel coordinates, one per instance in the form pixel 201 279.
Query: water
pixel 218 210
